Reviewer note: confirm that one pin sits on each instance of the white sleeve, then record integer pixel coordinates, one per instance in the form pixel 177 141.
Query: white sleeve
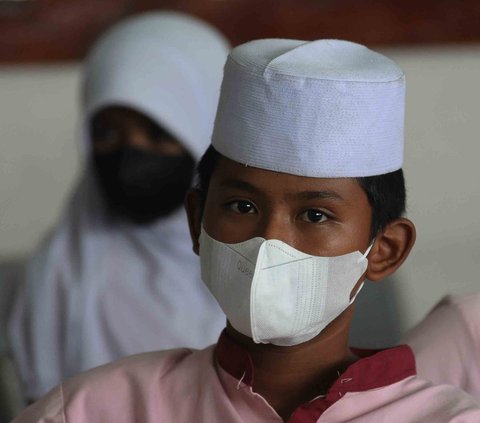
pixel 37 324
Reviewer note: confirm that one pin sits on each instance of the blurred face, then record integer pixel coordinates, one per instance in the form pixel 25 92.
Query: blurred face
pixel 141 170
pixel 116 127
pixel 322 217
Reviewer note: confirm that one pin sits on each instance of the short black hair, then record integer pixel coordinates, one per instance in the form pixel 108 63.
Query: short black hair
pixel 386 193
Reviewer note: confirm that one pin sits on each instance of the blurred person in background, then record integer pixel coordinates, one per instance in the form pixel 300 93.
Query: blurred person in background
pixel 117 275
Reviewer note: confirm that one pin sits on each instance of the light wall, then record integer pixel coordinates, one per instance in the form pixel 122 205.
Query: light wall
pixel 38 151
pixel 39 161
pixel 442 169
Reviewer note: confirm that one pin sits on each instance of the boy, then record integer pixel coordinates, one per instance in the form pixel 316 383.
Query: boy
pixel 300 199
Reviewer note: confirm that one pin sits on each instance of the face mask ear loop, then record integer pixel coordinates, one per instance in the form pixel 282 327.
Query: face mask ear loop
pixel 356 294
pixel 364 256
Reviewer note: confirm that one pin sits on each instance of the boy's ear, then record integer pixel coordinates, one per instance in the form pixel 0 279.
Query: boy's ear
pixel 391 248
pixel 194 208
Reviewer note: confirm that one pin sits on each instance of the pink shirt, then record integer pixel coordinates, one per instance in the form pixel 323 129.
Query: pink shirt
pixel 214 385
pixel 446 343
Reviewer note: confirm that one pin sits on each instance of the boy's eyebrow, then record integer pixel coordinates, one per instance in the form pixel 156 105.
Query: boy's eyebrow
pixel 239 184
pixel 303 195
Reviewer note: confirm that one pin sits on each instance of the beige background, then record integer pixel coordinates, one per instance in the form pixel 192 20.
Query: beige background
pixel 38 151
pixel 39 160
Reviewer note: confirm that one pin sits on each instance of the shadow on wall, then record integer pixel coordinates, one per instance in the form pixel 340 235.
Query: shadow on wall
pixel 377 322
pixel 11 401
pixel 10 277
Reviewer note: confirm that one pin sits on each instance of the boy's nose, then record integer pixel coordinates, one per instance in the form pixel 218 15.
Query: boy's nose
pixel 278 226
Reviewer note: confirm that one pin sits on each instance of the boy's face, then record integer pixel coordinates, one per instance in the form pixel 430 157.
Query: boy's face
pixel 318 216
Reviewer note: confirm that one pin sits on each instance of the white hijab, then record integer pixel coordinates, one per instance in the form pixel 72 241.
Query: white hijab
pixel 98 288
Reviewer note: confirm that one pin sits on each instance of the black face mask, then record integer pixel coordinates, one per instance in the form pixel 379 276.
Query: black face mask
pixel 143 186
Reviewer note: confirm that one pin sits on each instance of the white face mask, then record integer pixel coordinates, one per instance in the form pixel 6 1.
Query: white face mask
pixel 275 294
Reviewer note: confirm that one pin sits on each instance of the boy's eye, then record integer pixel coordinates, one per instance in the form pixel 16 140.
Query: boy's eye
pixel 242 207
pixel 313 216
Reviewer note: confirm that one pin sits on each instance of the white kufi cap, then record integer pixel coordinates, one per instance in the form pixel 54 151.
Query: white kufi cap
pixel 325 108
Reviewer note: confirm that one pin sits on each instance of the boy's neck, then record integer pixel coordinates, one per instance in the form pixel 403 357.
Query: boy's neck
pixel 290 376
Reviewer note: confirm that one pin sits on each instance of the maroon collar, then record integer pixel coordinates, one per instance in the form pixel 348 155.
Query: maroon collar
pixel 375 369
